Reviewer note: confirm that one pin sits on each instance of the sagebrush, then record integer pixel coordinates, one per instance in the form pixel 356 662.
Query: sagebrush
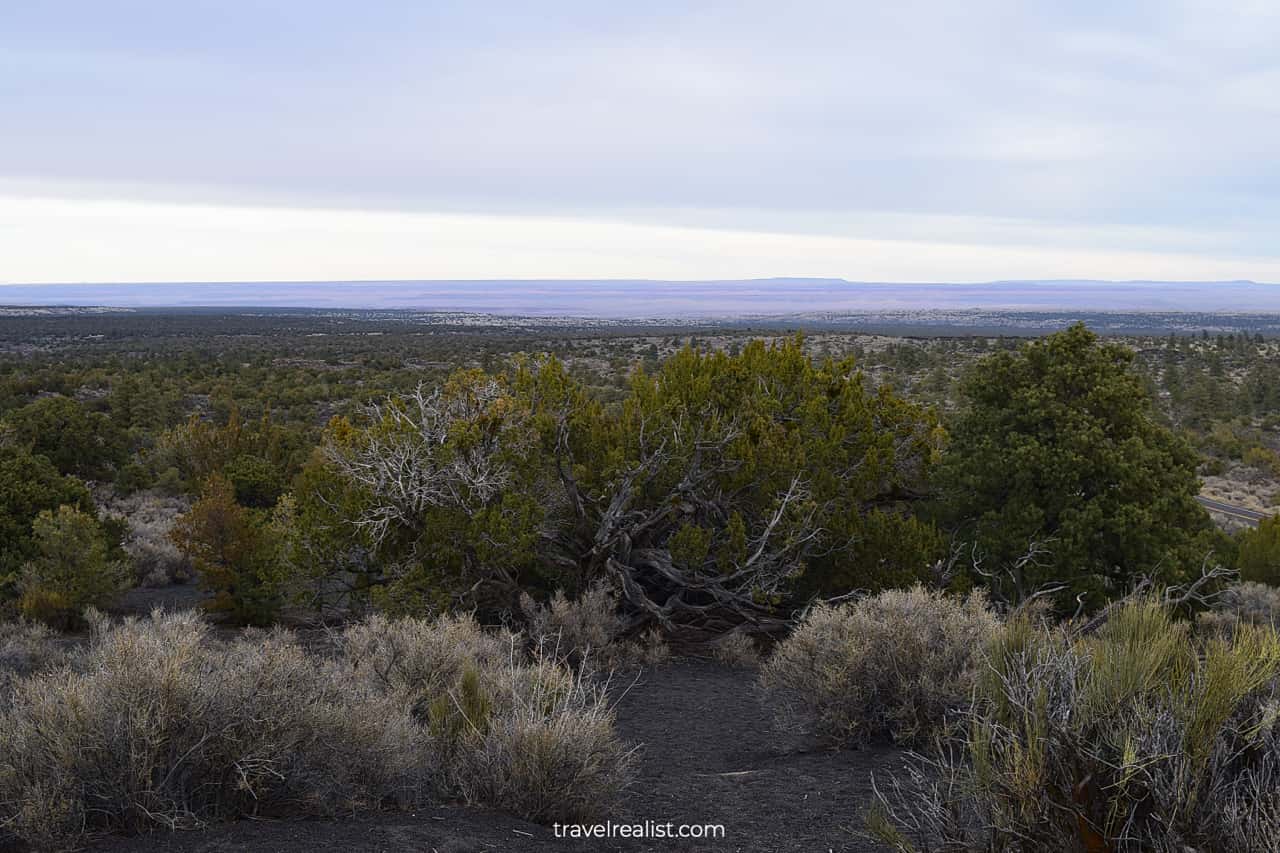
pixel 892 666
pixel 157 723
pixel 154 724
pixel 587 632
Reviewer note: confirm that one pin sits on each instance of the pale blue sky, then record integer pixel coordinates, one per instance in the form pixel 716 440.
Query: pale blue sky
pixel 905 140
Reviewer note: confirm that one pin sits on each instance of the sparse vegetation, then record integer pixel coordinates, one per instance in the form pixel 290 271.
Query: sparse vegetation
pixel 475 526
pixel 419 660
pixel 540 744
pixel 26 648
pixel 587 632
pixel 148 519
pixel 1247 603
pixel 735 649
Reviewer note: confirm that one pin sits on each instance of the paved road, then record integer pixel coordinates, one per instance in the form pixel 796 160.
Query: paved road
pixel 1249 516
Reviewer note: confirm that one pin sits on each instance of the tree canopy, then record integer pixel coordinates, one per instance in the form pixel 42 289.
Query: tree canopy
pixel 1057 471
pixel 71 568
pixel 29 485
pixel 76 440
pixel 704 496
pixel 1259 555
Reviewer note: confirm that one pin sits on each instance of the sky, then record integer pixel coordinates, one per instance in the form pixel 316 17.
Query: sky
pixel 214 140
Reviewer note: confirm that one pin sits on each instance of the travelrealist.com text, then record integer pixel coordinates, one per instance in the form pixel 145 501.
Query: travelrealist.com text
pixel 643 829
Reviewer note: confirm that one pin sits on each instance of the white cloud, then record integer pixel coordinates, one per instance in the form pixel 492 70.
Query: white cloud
pixel 77 240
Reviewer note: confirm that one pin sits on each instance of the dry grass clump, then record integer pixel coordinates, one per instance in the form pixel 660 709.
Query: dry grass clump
pixel 1141 737
pixel 155 724
pixel 895 665
pixel 26 648
pixel 735 649
pixel 586 632
pixel 1246 603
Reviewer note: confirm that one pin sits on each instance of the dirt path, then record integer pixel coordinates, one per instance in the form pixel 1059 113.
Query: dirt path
pixel 708 758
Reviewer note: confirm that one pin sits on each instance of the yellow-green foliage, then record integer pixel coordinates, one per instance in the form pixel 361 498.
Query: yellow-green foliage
pixel 1140 651
pixel 1141 737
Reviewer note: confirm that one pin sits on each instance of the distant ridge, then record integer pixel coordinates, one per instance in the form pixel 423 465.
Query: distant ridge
pixel 614 298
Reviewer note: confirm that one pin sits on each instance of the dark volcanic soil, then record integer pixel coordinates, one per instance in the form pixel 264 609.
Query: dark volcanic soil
pixel 708 757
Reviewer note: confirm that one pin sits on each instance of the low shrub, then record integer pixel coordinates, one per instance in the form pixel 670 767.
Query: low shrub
pixel 155 724
pixel 531 736
pixel 577 630
pixel 895 665
pixel 586 632
pixel 149 518
pixel 735 649
pixel 26 648
pixel 1246 603
pixel 1141 737
pixel 540 744
pixel 1263 458
pixel 419 660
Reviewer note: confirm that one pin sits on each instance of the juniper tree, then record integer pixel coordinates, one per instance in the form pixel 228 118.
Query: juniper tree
pixel 1057 471
pixel 704 496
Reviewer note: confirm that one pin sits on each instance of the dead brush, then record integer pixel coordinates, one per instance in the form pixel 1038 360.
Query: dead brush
pixel 735 649
pixel 1247 603
pixel 156 723
pixel 507 728
pixel 26 648
pixel 149 518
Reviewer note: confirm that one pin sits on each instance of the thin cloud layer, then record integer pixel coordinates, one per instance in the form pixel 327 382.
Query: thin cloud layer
pixel 998 135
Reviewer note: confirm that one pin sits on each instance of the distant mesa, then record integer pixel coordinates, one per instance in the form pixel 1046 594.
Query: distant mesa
pixel 638 299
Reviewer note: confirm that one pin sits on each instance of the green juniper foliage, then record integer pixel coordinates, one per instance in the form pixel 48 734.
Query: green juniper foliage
pixel 1057 444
